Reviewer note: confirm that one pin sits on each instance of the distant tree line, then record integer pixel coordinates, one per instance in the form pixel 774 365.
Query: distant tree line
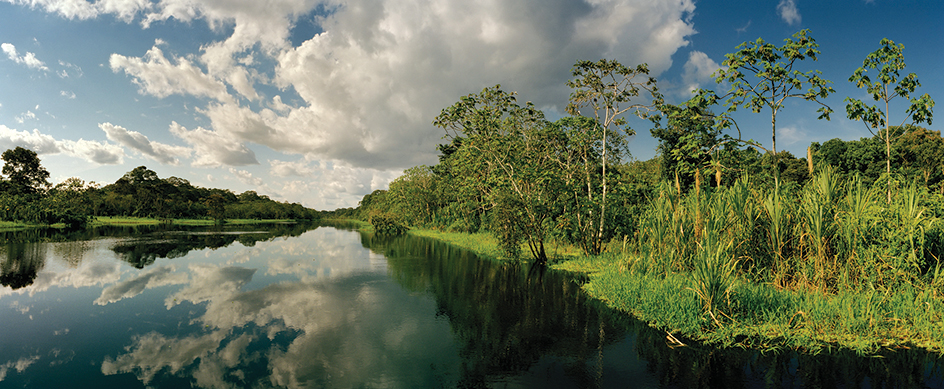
pixel 27 196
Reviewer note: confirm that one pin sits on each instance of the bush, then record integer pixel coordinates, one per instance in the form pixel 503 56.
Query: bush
pixel 385 224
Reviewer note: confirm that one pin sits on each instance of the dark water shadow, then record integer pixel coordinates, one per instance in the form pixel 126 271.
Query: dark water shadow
pixel 507 318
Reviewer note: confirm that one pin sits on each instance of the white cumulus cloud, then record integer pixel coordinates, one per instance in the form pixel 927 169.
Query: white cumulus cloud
pixel 81 9
pixel 698 71
pixel 213 149
pixel 29 59
pixel 96 152
pixel 247 178
pixel 362 91
pixel 158 76
pixel 788 12
pixel 160 152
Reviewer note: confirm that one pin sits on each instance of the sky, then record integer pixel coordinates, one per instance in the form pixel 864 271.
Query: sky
pixel 320 102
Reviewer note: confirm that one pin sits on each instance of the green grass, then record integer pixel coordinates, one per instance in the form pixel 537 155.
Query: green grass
pixel 488 245
pixel 755 315
pixel 11 226
pixel 761 316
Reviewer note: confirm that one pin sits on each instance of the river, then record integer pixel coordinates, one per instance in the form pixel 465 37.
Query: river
pixel 326 306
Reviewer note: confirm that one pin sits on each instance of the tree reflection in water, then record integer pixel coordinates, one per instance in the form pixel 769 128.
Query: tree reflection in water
pixel 21 263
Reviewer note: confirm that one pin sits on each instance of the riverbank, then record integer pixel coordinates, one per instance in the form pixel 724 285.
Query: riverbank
pixel 753 316
pixel 125 221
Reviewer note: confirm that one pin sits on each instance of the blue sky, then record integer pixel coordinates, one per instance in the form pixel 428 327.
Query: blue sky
pixel 320 102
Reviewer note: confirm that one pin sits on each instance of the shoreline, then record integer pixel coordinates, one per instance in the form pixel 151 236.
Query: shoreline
pixel 759 316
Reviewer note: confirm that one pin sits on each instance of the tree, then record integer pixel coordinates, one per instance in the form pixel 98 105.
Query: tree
pixel 216 207
pixel 516 146
pixel 887 62
pixel 610 90
pixel 141 175
pixel 685 143
pixel 416 194
pixel 26 174
pixel 923 151
pixel 774 78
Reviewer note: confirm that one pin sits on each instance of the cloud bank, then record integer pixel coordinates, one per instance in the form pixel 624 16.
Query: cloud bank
pixel 355 98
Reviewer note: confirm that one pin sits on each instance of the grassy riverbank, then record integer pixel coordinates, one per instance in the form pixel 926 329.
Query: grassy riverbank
pixel 756 315
pixel 765 317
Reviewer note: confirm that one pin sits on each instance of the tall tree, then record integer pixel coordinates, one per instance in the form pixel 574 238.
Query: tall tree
pixel 610 89
pixel 416 193
pixel 763 75
pixel 517 147
pixel 887 62
pixel 23 168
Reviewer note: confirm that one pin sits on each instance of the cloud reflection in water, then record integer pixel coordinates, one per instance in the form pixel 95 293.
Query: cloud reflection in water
pixel 332 324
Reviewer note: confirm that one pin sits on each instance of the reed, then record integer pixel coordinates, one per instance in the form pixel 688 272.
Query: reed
pixel 715 269
pixel 817 216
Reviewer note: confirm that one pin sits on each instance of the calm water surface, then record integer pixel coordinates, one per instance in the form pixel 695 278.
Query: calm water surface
pixel 292 306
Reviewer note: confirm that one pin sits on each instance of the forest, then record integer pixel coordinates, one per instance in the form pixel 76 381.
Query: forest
pixel 720 234
pixel 26 196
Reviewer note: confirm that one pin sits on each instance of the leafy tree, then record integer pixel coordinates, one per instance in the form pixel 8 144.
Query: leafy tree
pixel 610 89
pixel 774 79
pixel 23 168
pixel 582 174
pixel 516 147
pixel 685 144
pixel 887 62
pixel 373 202
pixel 141 175
pixel 923 150
pixel 416 194
pixel 216 207
pixel 862 157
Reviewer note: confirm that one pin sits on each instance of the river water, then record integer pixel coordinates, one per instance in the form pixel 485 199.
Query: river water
pixel 309 306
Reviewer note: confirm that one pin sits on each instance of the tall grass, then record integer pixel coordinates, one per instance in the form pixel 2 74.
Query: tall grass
pixel 856 264
pixel 826 236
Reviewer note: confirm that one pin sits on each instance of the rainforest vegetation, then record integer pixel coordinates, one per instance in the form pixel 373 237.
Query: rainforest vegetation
pixel 27 197
pixel 718 238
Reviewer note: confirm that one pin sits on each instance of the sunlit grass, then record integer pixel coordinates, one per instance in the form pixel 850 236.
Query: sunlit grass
pixel 765 317
pixel 488 245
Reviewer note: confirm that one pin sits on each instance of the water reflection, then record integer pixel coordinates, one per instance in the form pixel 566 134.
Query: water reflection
pixel 21 264
pixel 24 253
pixel 335 308
pixel 504 317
